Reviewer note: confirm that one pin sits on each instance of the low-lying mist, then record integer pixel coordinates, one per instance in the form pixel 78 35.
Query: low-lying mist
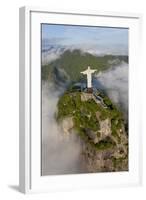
pixel 60 154
pixel 115 83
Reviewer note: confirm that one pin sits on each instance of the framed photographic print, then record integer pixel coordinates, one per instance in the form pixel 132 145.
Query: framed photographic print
pixel 79 110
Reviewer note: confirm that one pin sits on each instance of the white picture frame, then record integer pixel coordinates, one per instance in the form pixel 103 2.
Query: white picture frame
pixel 30 176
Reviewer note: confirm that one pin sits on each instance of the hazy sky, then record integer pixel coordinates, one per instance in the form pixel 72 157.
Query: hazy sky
pixel 111 39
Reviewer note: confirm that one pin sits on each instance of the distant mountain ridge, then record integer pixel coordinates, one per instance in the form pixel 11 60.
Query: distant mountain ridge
pixel 67 67
pixel 55 50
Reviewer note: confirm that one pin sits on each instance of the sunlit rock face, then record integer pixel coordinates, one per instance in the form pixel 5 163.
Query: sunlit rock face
pixel 100 127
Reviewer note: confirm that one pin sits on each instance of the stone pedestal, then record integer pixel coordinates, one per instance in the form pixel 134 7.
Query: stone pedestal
pixel 89 90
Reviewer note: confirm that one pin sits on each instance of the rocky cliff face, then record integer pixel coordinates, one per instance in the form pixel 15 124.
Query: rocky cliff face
pixel 100 127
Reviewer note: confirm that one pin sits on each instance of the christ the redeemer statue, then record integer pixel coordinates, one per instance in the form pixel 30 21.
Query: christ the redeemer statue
pixel 89 73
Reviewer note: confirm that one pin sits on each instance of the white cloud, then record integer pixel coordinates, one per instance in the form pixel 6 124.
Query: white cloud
pixel 48 57
pixel 60 154
pixel 115 83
